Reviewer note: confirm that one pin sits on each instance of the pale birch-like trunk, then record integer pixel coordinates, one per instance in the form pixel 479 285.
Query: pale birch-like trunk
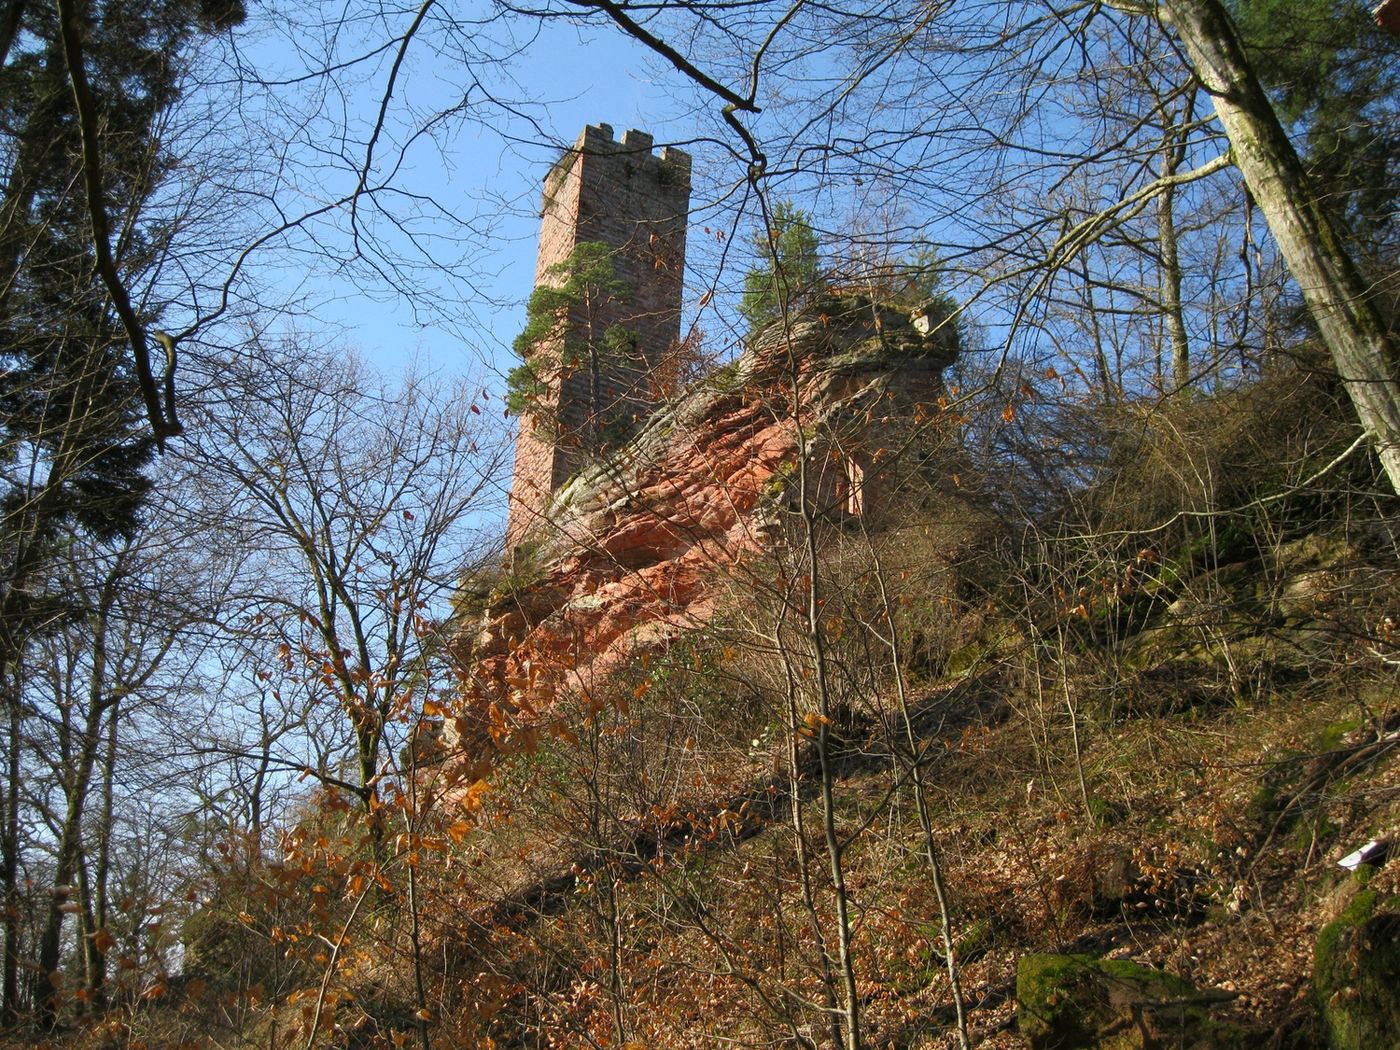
pixel 1311 246
pixel 1171 276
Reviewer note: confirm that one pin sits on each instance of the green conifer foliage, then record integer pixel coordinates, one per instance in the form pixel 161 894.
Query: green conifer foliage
pixel 791 272
pixel 84 87
pixel 565 332
pixel 1335 78
pixel 69 405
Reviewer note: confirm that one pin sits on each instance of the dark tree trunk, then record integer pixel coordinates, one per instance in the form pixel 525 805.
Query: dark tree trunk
pixel 9 855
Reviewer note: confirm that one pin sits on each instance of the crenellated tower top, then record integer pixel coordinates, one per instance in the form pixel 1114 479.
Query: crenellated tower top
pixel 621 194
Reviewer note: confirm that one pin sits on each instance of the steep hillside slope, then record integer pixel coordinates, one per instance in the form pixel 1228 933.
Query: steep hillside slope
pixel 1148 744
pixel 1192 830
pixel 1101 764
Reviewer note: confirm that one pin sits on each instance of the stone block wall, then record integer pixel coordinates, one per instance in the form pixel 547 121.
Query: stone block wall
pixel 636 202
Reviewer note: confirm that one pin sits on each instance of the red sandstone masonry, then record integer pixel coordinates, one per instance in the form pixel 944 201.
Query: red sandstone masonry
pixel 637 203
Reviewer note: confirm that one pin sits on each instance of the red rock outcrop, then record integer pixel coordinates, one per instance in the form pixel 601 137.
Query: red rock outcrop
pixel 639 548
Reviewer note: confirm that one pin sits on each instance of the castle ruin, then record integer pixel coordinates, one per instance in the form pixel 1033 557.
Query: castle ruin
pixel 622 195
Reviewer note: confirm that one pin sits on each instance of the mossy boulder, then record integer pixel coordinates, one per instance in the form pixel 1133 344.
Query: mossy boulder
pixel 1079 1002
pixel 1356 975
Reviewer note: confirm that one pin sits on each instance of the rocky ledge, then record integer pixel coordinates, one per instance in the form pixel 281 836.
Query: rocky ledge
pixel 641 546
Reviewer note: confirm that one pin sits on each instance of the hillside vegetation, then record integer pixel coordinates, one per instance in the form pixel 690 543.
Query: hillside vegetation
pixel 976 627
pixel 1113 731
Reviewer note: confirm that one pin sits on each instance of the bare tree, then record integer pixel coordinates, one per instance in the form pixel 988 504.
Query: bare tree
pixel 971 112
pixel 1331 282
pixel 365 504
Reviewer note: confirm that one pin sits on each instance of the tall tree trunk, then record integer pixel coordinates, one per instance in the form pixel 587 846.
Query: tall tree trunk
pixel 814 637
pixel 1309 242
pixel 9 852
pixel 1171 275
pixel 51 939
pixel 76 789
pixel 10 18
pixel 87 926
pixel 96 955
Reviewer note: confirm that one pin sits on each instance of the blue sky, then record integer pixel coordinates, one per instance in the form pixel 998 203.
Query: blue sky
pixel 574 77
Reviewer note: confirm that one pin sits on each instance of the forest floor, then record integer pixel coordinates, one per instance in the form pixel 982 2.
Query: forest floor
pixel 1178 795
pixel 1213 855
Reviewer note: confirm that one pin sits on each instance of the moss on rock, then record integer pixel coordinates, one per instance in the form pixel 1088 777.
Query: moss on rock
pixel 1356 975
pixel 1079 1002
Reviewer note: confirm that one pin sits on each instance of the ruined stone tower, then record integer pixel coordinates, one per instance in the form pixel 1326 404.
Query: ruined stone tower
pixel 636 203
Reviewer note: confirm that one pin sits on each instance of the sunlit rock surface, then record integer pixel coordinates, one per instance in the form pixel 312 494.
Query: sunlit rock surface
pixel 642 546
